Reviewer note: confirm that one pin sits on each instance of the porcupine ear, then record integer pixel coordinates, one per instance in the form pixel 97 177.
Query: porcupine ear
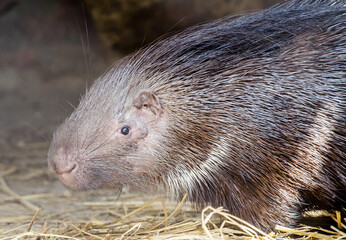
pixel 147 101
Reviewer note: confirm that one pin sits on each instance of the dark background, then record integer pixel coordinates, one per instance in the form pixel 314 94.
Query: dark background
pixel 50 51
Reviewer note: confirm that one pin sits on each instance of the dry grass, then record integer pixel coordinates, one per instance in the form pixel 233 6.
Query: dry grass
pixel 156 220
pixel 69 217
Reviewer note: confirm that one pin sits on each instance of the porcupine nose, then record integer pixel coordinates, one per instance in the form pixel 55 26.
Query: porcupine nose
pixel 62 169
pixel 61 163
pixel 64 165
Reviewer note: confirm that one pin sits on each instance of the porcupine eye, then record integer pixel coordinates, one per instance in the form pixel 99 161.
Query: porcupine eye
pixel 125 130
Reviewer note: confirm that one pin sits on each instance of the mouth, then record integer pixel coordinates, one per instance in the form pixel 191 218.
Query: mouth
pixel 97 193
pixel 82 184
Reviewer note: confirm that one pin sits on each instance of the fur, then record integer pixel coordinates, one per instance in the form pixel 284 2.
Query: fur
pixel 246 113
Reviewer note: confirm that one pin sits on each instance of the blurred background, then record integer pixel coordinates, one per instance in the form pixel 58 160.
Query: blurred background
pixel 50 51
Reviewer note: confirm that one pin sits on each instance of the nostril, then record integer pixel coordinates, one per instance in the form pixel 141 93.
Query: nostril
pixel 74 166
pixel 66 169
pixel 69 168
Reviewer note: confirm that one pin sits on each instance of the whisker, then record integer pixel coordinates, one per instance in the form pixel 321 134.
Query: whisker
pixel 37 131
pixel 74 108
pixel 88 44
